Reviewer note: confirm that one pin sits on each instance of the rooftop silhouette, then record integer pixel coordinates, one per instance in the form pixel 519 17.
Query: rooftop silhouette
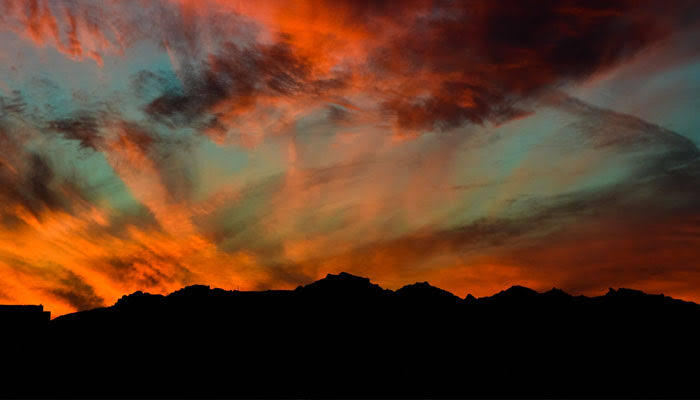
pixel 24 317
pixel 343 336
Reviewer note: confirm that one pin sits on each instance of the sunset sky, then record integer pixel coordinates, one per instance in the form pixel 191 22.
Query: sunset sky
pixel 149 145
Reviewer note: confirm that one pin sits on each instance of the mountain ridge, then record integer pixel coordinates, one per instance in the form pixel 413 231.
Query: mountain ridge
pixel 346 337
pixel 335 282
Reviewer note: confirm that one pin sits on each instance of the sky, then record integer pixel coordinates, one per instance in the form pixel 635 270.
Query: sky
pixel 150 145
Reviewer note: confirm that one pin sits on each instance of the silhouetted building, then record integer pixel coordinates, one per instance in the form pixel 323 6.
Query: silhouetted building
pixel 23 317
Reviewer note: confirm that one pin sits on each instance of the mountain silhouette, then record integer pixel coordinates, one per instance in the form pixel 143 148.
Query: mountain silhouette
pixel 343 336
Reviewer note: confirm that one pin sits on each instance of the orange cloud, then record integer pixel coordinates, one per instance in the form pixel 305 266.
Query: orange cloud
pixel 77 33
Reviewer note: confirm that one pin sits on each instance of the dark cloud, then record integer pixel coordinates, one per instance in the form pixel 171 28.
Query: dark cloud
pixel 83 128
pixel 75 291
pixel 170 155
pixel 64 283
pixel 444 110
pixel 29 184
pixel 607 128
pixel 338 114
pixel 239 75
pixel 12 105
pixel 10 221
pixel 283 274
pixel 480 59
pixel 138 136
pixel 145 269
pixel 236 74
pixel 39 177
pixel 28 179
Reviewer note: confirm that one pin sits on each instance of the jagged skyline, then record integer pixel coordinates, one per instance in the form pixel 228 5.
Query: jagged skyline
pixel 349 287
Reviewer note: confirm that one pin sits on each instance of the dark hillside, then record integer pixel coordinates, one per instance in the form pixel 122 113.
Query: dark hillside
pixel 343 336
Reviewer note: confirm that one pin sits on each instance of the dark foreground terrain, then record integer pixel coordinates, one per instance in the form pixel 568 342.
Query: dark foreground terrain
pixel 343 336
